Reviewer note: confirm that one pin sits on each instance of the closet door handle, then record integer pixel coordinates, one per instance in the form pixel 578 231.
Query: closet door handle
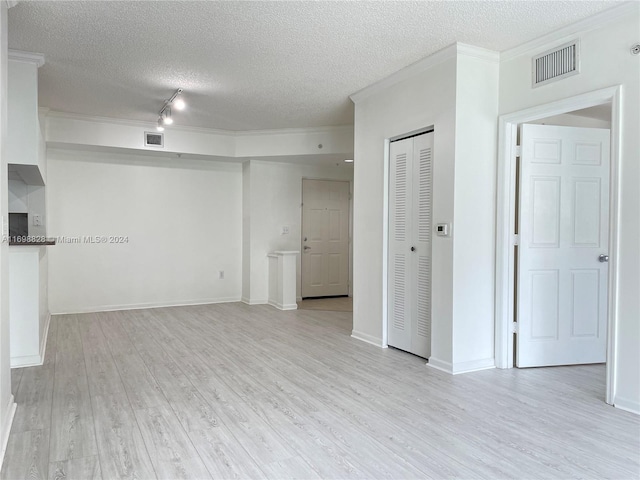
pixel 413 249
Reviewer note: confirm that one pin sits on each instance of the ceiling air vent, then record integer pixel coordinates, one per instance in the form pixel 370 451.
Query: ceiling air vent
pixel 153 139
pixel 557 63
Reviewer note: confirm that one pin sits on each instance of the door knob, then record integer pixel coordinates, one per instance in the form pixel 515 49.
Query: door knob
pixel 413 249
pixel 603 258
pixel 307 248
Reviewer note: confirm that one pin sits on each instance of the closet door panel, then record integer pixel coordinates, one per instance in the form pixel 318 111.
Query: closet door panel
pixel 400 268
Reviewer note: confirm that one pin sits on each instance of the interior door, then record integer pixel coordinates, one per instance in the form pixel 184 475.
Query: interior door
pixel 409 262
pixel 325 238
pixel 562 257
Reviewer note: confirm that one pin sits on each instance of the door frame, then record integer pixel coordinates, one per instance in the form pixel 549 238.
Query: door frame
pixel 385 227
pixel 349 226
pixel 505 219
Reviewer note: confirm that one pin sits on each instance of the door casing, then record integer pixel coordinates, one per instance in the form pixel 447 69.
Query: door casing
pixel 505 219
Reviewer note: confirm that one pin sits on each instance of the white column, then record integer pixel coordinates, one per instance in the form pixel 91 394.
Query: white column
pixel 282 279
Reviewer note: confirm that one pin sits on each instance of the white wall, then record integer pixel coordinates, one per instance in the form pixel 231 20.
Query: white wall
pixel 605 62
pixel 425 99
pixel 68 129
pixel 474 213
pixel 22 145
pixel 275 200
pixel 183 220
pixel 456 92
pixel 7 405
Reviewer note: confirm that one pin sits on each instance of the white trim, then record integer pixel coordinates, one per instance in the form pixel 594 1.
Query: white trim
pixel 6 427
pixel 34 360
pixel 11 3
pixel 593 22
pixel 406 73
pixel 506 214
pixel 280 306
pixel 211 131
pixel 364 337
pixel 43 340
pixel 26 361
pixel 478 52
pixel 440 365
pixel 473 366
pixel 26 57
pixel 385 242
pixel 627 405
pixel 293 131
pixel 142 306
pixel 447 53
pixel 248 301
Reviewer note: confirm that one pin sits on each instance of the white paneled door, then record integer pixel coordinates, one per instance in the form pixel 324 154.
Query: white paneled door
pixel 325 238
pixel 563 252
pixel 409 262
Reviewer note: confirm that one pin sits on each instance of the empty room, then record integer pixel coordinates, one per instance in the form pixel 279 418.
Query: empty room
pixel 319 239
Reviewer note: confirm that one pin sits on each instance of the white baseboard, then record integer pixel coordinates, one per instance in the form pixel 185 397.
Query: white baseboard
pixel 473 366
pixel 288 306
pixel 26 361
pixel 142 306
pixel 6 426
pixel 43 340
pixel 34 360
pixel 248 301
pixel 363 337
pixel 626 404
pixel 462 367
pixel 440 365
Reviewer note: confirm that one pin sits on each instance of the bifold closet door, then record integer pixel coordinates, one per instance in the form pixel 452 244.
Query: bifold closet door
pixel 409 262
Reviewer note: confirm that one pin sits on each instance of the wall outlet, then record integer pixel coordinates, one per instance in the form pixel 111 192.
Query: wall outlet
pixel 221 274
pixel 37 220
pixel 285 230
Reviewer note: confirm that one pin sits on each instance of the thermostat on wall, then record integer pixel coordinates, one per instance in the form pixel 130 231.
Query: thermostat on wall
pixel 442 229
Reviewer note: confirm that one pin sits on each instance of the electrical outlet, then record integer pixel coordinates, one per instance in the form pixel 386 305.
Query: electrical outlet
pixel 37 220
pixel 285 230
pixel 221 274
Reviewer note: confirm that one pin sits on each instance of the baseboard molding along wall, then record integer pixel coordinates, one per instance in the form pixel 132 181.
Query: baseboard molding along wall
pixel 363 337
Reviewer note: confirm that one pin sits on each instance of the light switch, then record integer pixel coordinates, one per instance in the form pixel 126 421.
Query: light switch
pixel 37 220
pixel 442 229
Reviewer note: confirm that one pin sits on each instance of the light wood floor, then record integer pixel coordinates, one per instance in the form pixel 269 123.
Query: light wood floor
pixel 232 391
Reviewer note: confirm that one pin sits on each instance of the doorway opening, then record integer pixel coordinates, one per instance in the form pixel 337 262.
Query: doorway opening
pixel 325 245
pixel 524 282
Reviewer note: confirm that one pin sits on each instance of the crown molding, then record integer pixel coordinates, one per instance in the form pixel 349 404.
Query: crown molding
pixel 26 57
pixel 478 52
pixel 406 73
pixel 207 131
pixel 593 22
pixel 294 131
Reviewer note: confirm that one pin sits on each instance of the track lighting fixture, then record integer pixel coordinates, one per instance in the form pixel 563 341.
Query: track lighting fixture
pixel 164 116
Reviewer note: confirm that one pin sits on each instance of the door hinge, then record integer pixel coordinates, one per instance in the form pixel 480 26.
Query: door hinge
pixel 514 327
pixel 518 151
pixel 516 239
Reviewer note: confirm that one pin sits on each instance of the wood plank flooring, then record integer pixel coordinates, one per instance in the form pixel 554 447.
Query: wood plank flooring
pixel 233 391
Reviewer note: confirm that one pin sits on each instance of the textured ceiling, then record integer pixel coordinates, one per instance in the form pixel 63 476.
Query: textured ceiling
pixel 254 65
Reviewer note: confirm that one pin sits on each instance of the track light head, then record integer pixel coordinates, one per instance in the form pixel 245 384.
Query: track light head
pixel 179 104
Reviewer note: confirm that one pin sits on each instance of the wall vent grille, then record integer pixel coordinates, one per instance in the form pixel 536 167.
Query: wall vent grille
pixel 556 64
pixel 153 139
